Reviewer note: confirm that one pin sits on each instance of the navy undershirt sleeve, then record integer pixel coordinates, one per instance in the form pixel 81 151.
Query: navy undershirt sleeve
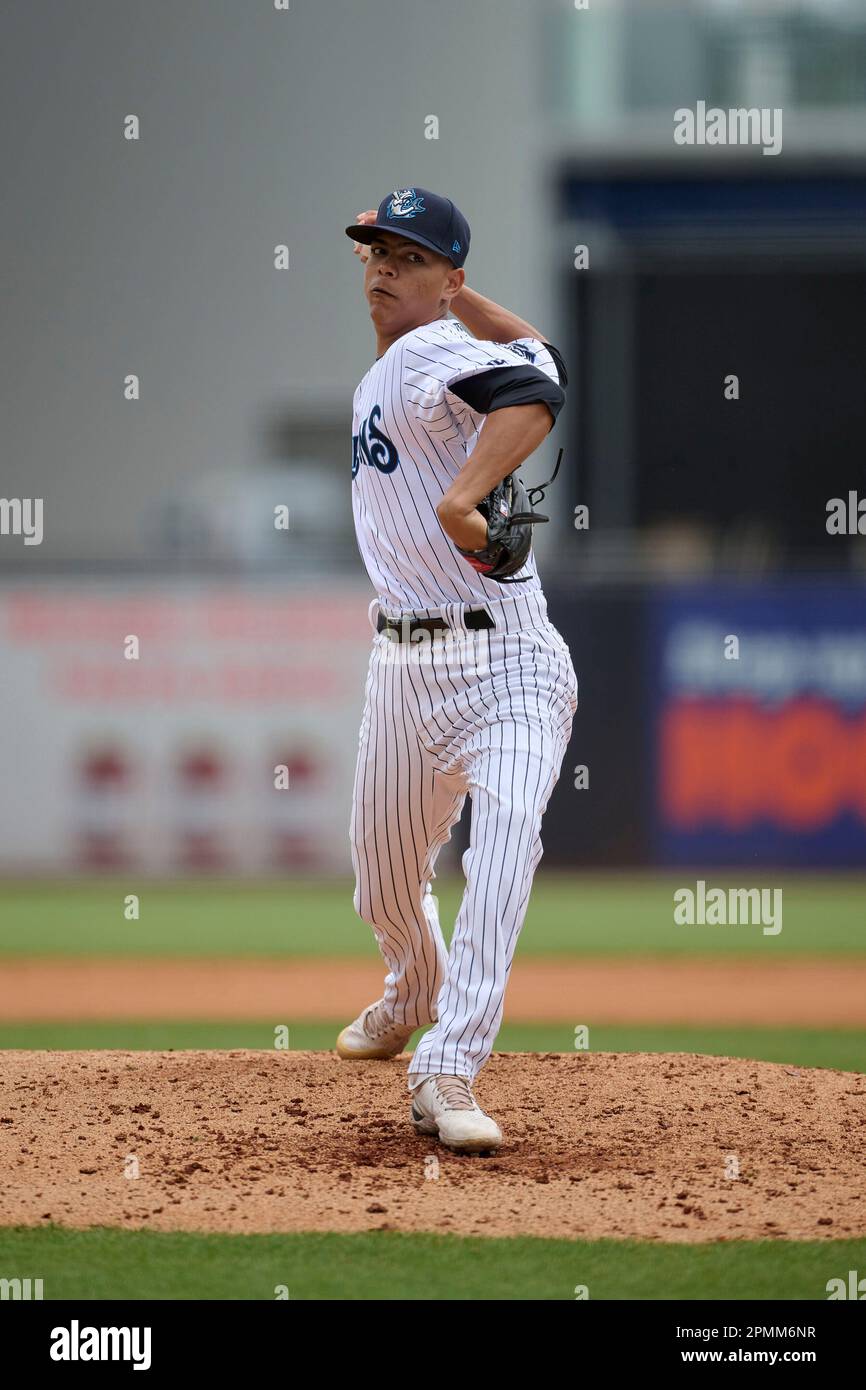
pixel 504 386
pixel 558 363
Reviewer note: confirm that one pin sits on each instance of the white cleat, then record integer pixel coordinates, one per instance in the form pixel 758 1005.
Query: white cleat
pixel 373 1035
pixel 445 1106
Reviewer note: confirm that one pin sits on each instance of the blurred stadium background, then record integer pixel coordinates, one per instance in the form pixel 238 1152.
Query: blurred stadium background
pixel 707 516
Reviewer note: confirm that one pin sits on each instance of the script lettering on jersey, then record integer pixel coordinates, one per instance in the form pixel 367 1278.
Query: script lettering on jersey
pixel 372 446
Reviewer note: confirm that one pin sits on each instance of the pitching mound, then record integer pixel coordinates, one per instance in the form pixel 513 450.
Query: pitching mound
pixel 597 1144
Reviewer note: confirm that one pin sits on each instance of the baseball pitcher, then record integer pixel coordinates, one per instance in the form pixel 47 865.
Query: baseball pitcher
pixel 470 689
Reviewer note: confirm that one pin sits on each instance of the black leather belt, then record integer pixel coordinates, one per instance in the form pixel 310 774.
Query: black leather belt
pixel 401 629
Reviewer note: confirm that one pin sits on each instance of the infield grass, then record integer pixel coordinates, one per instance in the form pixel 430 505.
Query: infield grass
pixel 111 1264
pixel 569 914
pixel 842 1049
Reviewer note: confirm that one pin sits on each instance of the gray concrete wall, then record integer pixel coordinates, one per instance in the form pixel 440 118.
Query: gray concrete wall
pixel 155 257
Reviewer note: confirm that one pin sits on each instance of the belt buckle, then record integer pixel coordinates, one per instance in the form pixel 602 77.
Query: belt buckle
pixel 389 626
pixel 395 629
pixel 402 629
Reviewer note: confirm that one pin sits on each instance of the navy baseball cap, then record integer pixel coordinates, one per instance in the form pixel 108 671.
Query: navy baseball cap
pixel 422 216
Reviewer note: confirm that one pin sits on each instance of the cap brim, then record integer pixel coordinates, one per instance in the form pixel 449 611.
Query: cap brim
pixel 367 233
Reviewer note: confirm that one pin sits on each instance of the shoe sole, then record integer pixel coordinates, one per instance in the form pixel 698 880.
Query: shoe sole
pixel 482 1147
pixel 352 1056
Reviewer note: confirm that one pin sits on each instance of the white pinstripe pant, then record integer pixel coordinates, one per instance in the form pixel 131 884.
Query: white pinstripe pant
pixel 485 713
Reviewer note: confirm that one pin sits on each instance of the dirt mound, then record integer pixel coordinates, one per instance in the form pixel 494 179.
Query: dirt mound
pixel 596 1144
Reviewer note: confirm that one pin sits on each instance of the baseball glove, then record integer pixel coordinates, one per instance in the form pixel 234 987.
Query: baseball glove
pixel 508 511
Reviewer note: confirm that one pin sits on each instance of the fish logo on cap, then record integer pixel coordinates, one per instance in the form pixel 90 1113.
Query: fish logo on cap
pixel 405 203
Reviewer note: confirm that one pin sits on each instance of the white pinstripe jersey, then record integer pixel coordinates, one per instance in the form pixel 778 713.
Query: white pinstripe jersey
pixel 410 438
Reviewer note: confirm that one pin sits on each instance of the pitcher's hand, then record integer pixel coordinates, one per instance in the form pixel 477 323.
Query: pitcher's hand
pixel 366 219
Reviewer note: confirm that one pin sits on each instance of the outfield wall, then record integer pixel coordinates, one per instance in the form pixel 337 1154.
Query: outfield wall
pixel 721 724
pixel 165 762
pixel 717 725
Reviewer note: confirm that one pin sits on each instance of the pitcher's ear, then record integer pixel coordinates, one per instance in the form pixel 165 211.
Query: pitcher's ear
pixel 456 280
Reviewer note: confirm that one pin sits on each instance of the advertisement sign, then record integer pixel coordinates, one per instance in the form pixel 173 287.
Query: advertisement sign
pixel 758 734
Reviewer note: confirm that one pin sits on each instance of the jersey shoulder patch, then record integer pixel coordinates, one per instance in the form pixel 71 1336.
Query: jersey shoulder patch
pixel 523 349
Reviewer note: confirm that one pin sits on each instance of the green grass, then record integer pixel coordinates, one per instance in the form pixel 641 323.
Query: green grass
pixel 624 915
pixel 842 1049
pixel 111 1264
